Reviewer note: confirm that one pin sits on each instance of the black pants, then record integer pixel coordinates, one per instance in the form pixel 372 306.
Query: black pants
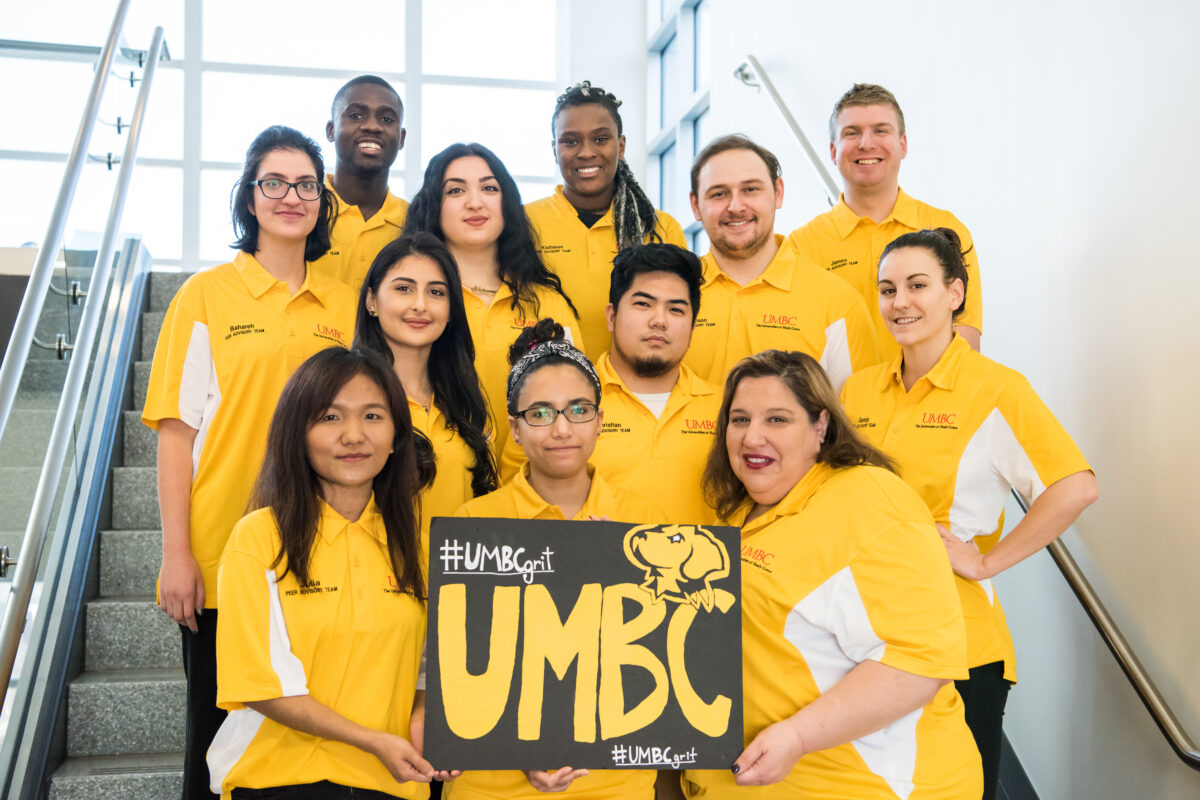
pixel 984 695
pixel 203 716
pixel 311 791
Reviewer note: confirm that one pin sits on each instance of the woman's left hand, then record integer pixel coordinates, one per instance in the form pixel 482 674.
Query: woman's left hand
pixel 557 781
pixel 770 756
pixel 965 558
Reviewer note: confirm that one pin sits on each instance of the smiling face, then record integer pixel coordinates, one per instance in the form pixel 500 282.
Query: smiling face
pixel 350 442
pixel 288 219
pixel 736 200
pixel 652 324
pixel 868 147
pixel 772 444
pixel 560 450
pixel 412 303
pixel 916 304
pixel 587 149
pixel 366 129
pixel 471 214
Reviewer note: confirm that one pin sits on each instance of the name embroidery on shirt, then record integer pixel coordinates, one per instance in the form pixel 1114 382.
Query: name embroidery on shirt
pixel 614 427
pixel 548 249
pixel 242 329
pixel 312 587
pixel 838 263
pixel 864 422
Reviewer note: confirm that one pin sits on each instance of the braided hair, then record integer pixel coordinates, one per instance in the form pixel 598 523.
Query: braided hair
pixel 634 216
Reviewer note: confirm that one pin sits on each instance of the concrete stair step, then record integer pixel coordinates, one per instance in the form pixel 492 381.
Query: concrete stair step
pixel 26 437
pixel 151 326
pixel 145 776
pixel 163 286
pixel 140 443
pixel 141 379
pixel 117 712
pixel 135 499
pixel 130 632
pixel 129 562
pixel 43 375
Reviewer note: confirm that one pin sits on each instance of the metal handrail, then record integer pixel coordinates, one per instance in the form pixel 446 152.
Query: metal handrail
pixel 47 488
pixel 750 71
pixel 31 306
pixel 1118 645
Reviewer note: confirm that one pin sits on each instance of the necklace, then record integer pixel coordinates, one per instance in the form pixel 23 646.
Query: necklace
pixel 481 290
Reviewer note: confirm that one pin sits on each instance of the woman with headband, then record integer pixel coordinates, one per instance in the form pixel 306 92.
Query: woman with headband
pixel 553 413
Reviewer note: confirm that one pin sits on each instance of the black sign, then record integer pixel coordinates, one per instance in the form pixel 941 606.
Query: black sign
pixel 595 644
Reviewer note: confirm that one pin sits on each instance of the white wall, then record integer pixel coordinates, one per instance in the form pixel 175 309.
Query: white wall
pixel 1063 135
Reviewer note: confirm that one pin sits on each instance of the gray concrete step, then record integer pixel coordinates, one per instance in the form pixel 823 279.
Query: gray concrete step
pixel 151 326
pixel 139 442
pixel 17 487
pixel 26 437
pixel 145 776
pixel 130 632
pixel 117 712
pixel 41 384
pixel 163 286
pixel 135 499
pixel 129 562
pixel 141 379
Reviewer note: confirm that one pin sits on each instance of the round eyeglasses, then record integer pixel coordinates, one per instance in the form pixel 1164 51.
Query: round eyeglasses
pixel 277 189
pixel 540 416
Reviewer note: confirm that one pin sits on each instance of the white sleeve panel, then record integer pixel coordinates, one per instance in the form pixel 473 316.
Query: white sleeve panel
pixel 992 462
pixel 836 356
pixel 229 745
pixel 292 679
pixel 199 392
pixel 831 629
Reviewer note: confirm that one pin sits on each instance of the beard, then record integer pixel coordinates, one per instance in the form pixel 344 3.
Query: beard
pixel 651 366
pixel 746 251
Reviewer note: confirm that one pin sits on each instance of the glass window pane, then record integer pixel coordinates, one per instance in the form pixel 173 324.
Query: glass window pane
pixel 216 226
pixel 238 107
pixel 154 209
pixel 513 123
pixel 701 135
pixel 71 82
pixel 24 215
pixel 514 39
pixel 674 89
pixel 162 135
pixel 88 23
pixel 654 14
pixel 699 242
pixel 267 33
pixel 666 179
pixel 703 44
pixel 536 190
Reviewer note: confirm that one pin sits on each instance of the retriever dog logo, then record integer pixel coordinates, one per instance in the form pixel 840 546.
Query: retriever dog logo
pixel 680 562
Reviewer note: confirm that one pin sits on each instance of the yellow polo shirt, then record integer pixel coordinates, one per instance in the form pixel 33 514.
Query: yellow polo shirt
pixel 582 258
pixel 354 241
pixel 494 327
pixel 850 246
pixel 453 458
pixel 518 500
pixel 664 457
pixel 349 638
pixel 962 437
pixel 849 567
pixel 230 339
pixel 792 305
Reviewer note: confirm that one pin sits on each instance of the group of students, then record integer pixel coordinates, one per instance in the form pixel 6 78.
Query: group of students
pixel 469 355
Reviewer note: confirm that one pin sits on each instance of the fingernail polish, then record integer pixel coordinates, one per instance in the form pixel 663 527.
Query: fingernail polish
pixel 735 769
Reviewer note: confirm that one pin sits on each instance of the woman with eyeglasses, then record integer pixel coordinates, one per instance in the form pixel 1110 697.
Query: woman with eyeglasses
pixel 470 201
pixel 230 339
pixel 553 398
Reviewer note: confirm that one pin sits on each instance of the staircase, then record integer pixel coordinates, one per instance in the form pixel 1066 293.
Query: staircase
pixel 125 711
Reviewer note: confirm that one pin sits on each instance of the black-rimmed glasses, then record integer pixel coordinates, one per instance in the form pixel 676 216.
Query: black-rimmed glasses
pixel 277 189
pixel 540 416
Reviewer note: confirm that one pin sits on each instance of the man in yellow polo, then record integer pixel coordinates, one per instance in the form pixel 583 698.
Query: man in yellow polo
pixel 659 416
pixel 867 142
pixel 367 131
pixel 759 295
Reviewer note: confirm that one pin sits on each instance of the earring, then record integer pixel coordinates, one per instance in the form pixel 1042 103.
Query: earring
pixel 372 313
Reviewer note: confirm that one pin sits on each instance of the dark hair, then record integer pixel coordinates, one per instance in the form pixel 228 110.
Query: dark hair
pixel 865 94
pixel 644 258
pixel 946 248
pixel 451 365
pixel 374 80
pixel 546 330
pixel 290 487
pixel 245 224
pixel 521 268
pixel 634 216
pixel 734 141
pixel 803 375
